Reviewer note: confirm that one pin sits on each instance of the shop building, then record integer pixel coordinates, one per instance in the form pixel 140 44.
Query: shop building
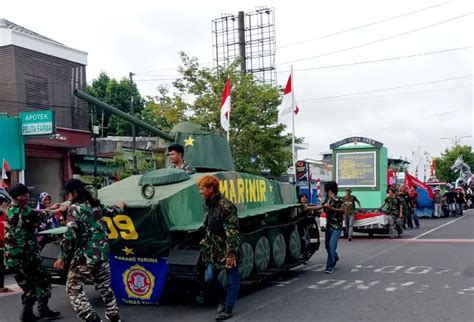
pixel 38 73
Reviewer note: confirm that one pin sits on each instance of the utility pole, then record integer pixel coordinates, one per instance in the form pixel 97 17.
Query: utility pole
pixel 95 130
pixel 241 21
pixel 132 112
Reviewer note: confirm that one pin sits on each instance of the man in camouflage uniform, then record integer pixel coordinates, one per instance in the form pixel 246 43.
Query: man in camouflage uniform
pixel 85 243
pixel 22 255
pixel 176 154
pixel 395 211
pixel 407 206
pixel 221 244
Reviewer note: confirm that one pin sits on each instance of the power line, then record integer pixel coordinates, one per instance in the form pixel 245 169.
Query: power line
pixel 166 69
pixel 395 94
pixel 379 40
pixel 386 89
pixel 378 60
pixel 364 25
pixel 155 79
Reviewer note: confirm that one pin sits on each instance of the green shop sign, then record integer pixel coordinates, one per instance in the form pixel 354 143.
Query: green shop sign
pixel 37 122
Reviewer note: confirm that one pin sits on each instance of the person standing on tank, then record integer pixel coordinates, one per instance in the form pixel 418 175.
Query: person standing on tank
pixel 176 155
pixel 86 243
pixel 221 244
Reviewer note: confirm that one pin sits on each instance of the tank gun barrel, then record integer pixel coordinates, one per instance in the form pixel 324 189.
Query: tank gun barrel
pixel 115 111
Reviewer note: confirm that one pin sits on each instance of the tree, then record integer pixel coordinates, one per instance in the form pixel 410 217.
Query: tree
pixel 117 94
pixel 257 142
pixel 443 164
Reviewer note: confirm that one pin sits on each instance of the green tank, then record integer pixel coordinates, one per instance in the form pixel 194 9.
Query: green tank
pixel 164 211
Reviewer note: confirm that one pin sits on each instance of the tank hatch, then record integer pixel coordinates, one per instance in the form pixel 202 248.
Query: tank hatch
pixel 163 177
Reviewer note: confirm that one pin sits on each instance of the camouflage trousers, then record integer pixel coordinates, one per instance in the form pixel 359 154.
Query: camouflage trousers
pixel 100 275
pixel 395 226
pixel 33 280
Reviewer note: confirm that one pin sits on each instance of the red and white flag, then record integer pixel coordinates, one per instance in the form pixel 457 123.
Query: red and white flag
pixel 286 105
pixel 5 169
pixel 226 107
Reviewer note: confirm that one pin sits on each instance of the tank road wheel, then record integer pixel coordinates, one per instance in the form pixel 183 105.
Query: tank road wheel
pixel 294 244
pixel 279 250
pixel 262 254
pixel 246 261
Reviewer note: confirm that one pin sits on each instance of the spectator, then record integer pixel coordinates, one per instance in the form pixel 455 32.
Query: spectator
pixel 460 201
pixel 414 201
pixel 437 200
pixel 450 198
pixel 349 212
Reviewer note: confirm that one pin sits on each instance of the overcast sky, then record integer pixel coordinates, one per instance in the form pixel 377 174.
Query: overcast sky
pixel 141 36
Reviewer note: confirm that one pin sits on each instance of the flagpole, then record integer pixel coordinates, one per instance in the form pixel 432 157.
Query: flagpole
pixel 293 124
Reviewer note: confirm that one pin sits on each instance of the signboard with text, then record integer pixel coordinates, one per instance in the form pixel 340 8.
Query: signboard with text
pixel 356 169
pixel 37 122
pixel 301 171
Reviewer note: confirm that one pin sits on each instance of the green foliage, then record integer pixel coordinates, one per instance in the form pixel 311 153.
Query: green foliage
pixel 117 94
pixel 443 164
pixel 257 142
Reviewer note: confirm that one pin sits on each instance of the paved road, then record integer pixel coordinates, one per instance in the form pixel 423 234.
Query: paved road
pixel 426 276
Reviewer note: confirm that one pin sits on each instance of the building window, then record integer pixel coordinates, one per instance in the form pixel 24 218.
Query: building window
pixel 36 89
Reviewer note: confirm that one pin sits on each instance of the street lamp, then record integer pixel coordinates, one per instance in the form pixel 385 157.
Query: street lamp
pixel 456 140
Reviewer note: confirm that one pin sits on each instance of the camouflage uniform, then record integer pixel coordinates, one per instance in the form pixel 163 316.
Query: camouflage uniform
pixel 221 241
pixel 22 254
pixel 222 231
pixel 395 223
pixel 86 243
pixel 407 206
pixel 185 166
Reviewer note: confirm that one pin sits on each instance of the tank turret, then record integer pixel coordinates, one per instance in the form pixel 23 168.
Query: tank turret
pixel 203 150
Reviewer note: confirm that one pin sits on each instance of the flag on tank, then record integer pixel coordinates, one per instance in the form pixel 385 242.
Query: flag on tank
pixel 226 106
pixel 286 105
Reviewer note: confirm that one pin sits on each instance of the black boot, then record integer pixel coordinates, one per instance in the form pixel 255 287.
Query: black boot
pixel 27 314
pixel 44 311
pixel 93 318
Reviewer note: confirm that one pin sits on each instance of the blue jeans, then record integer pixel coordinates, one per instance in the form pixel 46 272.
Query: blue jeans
pixel 232 288
pixel 415 218
pixel 331 239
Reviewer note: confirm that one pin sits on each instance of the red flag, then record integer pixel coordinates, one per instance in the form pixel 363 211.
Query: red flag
pixel 226 106
pixel 286 105
pixel 5 169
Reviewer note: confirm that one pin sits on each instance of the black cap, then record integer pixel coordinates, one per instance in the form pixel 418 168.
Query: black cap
pixel 73 185
pixel 17 190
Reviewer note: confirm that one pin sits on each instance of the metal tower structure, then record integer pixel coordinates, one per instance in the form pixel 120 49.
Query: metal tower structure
pixel 249 37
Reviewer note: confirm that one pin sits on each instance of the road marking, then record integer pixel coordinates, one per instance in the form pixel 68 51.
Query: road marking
pixel 14 287
pixel 396 286
pixel 434 229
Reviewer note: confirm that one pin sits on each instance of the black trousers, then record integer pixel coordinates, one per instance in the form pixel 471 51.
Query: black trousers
pixel 2 270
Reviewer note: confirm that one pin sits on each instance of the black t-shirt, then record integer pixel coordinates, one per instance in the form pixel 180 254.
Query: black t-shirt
pixel 450 197
pixel 459 197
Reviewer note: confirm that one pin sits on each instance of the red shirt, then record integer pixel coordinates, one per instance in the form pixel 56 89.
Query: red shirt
pixel 414 197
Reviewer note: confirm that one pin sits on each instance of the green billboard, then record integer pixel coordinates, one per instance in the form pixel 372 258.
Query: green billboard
pixel 37 122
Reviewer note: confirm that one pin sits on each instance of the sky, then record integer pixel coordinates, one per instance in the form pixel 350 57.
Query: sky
pixel 431 95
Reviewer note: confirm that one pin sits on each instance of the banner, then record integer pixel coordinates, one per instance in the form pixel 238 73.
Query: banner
pixel 425 195
pixel 137 280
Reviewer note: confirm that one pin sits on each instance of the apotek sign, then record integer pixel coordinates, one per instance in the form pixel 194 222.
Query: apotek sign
pixel 37 122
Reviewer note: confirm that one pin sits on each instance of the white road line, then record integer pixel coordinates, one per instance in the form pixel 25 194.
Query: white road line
pixel 434 229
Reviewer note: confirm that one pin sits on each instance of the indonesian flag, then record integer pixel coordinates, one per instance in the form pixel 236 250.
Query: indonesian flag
pixel 286 105
pixel 225 107
pixel 5 169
